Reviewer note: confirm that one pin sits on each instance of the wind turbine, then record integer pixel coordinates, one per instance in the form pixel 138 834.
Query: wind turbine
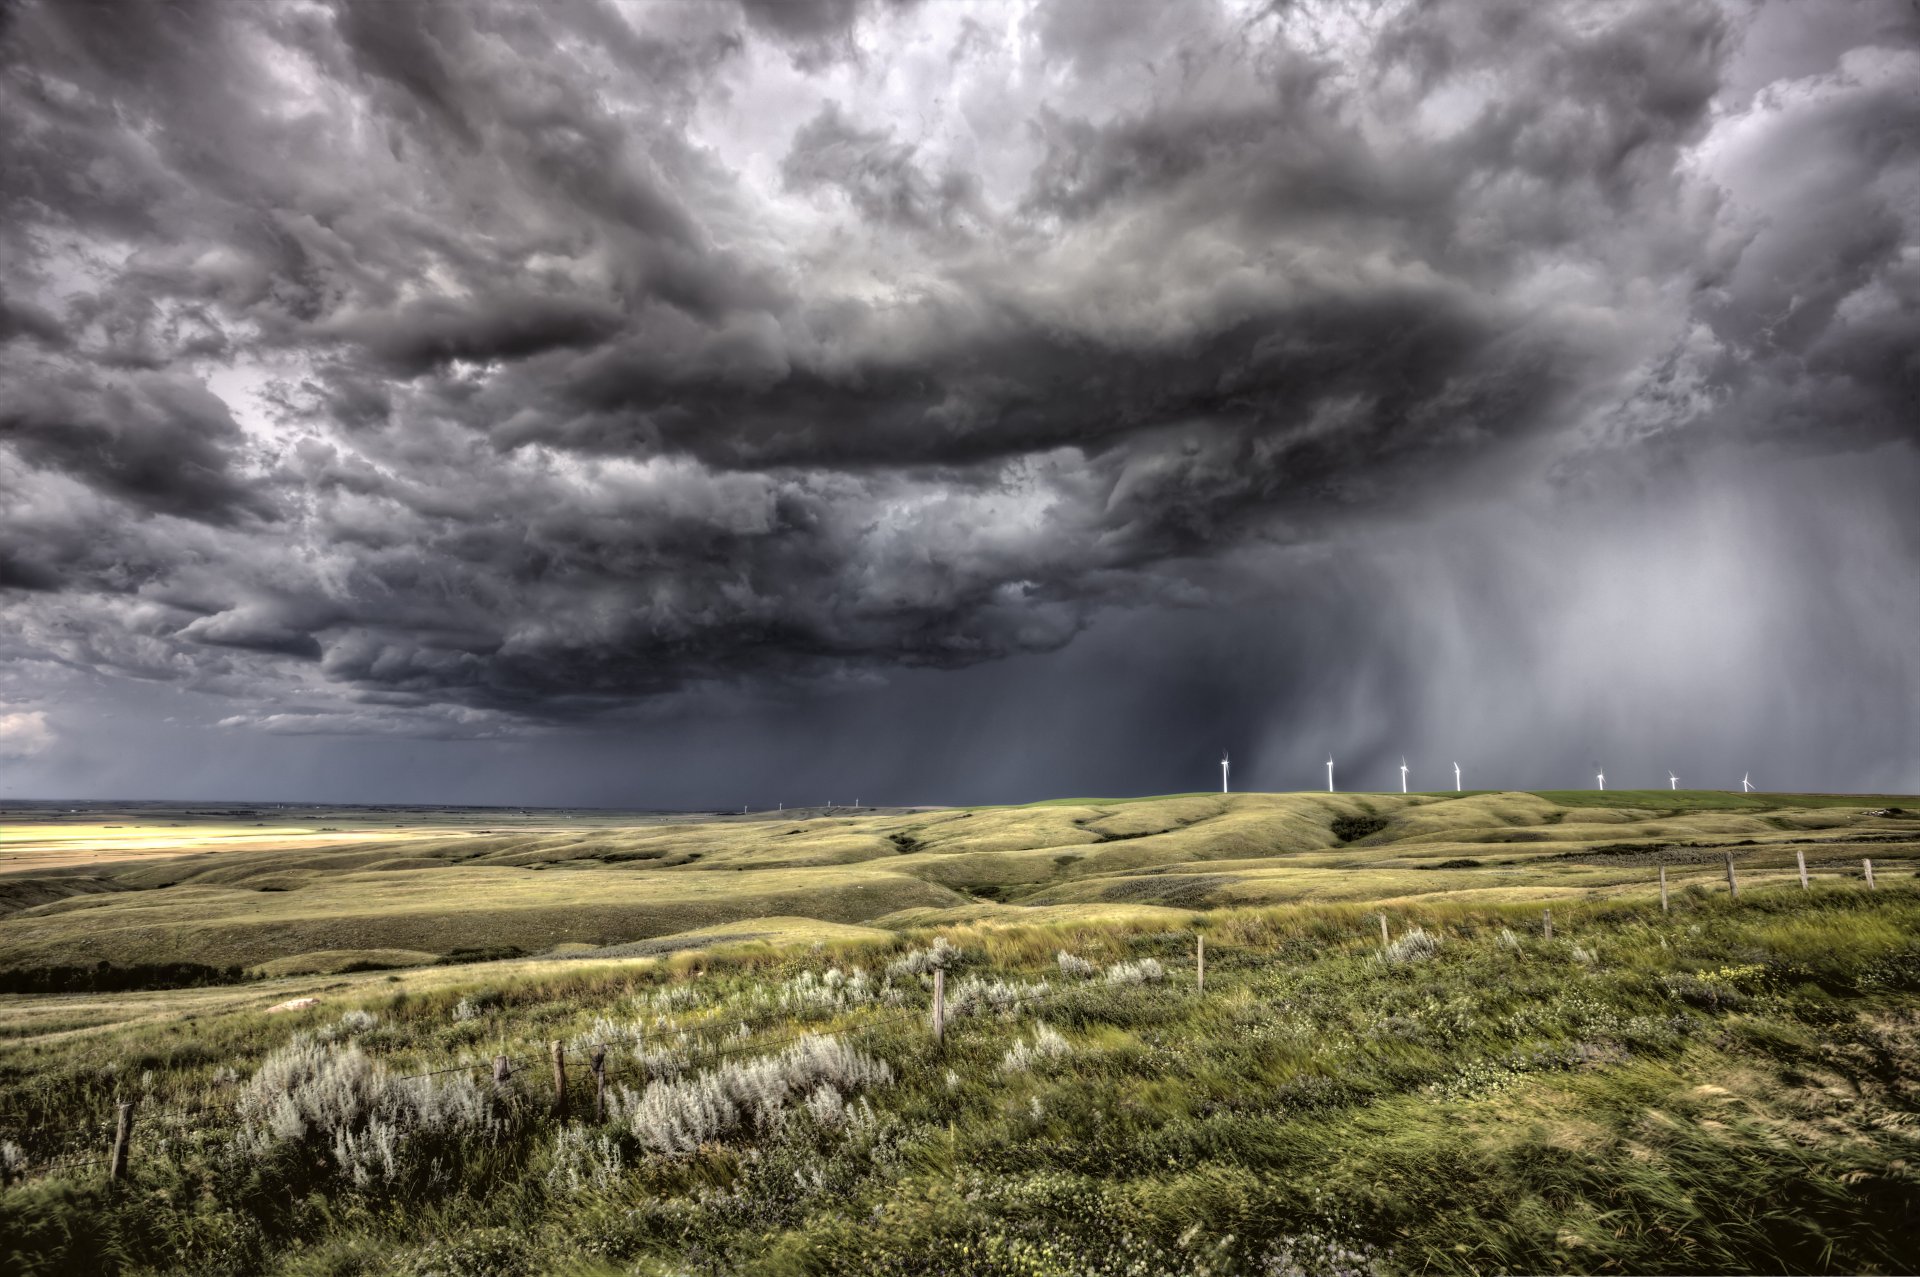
pixel 1456 778
pixel 1403 775
pixel 1601 776
pixel 1223 771
pixel 1746 783
pixel 1329 773
pixel 1673 781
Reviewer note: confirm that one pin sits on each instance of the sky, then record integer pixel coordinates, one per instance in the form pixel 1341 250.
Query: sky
pixel 702 404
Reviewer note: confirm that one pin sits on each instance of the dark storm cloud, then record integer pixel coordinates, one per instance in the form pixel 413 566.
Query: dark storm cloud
pixel 164 444
pixel 472 364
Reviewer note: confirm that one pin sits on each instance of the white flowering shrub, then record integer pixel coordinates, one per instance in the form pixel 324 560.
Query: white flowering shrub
pixel 466 1009
pixel 358 1021
pixel 13 1162
pixel 941 955
pixel 1144 971
pixel 1047 1044
pixel 976 995
pixel 335 1098
pixel 583 1160
pixel 1072 965
pixel 1415 946
pixel 680 1115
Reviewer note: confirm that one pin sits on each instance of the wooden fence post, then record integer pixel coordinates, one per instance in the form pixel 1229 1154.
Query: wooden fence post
pixel 1663 890
pixel 1869 868
pixel 560 1081
pixel 1200 964
pixel 122 1140
pixel 1383 931
pixel 939 1004
pixel 1546 923
pixel 501 1072
pixel 1733 888
pixel 599 1083
pixel 1800 858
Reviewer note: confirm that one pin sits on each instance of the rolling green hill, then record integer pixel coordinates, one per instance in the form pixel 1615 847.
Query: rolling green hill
pixel 530 891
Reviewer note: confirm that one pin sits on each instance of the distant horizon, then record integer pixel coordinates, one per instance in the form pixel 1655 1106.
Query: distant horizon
pixel 397 805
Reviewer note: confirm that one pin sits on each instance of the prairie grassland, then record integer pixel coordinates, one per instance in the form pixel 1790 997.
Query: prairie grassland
pixel 1733 1086
pixel 387 897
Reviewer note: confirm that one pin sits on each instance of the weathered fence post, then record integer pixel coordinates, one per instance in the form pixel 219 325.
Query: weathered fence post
pixel 1546 923
pixel 1383 930
pixel 1800 859
pixel 501 1073
pixel 1869 867
pixel 560 1081
pixel 1663 890
pixel 939 1004
pixel 599 1083
pixel 1200 963
pixel 1733 887
pixel 122 1140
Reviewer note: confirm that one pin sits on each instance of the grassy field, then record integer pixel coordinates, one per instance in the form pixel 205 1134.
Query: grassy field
pixel 1731 1086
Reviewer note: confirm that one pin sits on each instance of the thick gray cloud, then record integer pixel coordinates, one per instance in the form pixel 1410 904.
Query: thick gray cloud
pixel 495 369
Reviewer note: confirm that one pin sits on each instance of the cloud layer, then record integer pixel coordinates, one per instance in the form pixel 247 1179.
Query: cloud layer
pixel 479 369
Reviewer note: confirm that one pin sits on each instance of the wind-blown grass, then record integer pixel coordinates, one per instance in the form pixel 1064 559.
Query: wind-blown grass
pixel 1729 1088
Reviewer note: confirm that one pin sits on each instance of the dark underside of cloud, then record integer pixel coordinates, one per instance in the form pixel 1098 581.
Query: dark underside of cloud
pixel 476 368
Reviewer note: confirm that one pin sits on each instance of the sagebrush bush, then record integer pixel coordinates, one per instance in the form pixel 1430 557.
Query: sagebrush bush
pixel 833 990
pixel 335 1099
pixel 942 954
pixel 583 1160
pixel 1073 965
pixel 358 1021
pixel 1416 945
pixel 1047 1044
pixel 979 995
pixel 679 1115
pixel 1141 971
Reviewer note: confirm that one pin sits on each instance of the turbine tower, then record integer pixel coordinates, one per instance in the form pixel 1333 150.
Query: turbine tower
pixel 1602 778
pixel 1673 781
pixel 1329 773
pixel 1456 778
pixel 1746 783
pixel 1403 775
pixel 1223 771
